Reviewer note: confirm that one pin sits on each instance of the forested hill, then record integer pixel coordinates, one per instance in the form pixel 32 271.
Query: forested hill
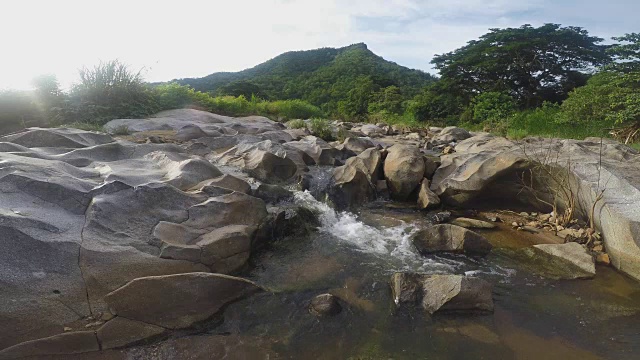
pixel 322 76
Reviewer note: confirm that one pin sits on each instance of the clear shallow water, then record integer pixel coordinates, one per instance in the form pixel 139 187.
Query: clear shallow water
pixel 353 255
pixel 535 318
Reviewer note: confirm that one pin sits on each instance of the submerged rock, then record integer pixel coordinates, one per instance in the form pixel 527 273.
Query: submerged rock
pixel 325 305
pixel 562 261
pixel 473 223
pixel 450 238
pixel 437 293
pixel 62 344
pixel 177 301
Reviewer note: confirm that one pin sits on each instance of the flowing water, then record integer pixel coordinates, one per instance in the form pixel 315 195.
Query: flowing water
pixel 353 255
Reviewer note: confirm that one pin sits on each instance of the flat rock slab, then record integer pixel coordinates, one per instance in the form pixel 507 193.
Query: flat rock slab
pixel 67 343
pixel 473 223
pixel 570 260
pixel 121 332
pixel 177 301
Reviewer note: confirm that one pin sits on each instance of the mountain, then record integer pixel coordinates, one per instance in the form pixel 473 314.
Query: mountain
pixel 322 77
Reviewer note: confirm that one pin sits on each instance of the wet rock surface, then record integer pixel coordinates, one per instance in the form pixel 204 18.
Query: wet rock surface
pixel 123 243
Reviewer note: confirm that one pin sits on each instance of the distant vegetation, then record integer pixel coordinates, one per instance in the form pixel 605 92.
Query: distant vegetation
pixel 549 80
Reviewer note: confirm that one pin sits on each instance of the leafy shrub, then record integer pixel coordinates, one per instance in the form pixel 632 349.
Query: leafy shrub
pixel 122 130
pixel 296 124
pixel 321 128
pixel 492 107
pixel 288 109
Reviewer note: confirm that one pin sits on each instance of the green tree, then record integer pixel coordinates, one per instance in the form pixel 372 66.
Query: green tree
pixel 531 64
pixel 492 107
pixel 388 99
pixel 627 54
pixel 356 103
pixel 436 104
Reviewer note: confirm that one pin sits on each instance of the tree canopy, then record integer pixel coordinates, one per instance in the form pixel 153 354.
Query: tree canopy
pixel 531 64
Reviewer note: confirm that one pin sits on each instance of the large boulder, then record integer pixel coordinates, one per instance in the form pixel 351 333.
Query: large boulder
pixel 404 170
pixel 78 215
pixel 485 167
pixel 319 150
pixel 264 161
pixel 450 134
pixel 177 301
pixel 435 293
pixel 450 238
pixel 355 182
pixel 371 130
pixel 357 145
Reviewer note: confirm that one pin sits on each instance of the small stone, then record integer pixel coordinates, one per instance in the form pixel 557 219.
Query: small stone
pixel 530 229
pixel 514 224
pixel 560 228
pixel 603 259
pixel 493 218
pixel 524 214
pixel 534 214
pixel 66 328
pixel 325 305
pixel 544 217
pixel 598 248
pixel 106 316
pixel 96 323
pixel 448 150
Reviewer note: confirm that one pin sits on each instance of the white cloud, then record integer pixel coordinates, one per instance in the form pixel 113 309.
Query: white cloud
pixel 195 38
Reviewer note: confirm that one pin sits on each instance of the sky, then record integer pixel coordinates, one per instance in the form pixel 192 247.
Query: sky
pixel 192 38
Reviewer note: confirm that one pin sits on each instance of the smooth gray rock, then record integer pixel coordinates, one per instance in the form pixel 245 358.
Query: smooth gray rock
pixel 186 298
pixel 62 344
pixel 563 261
pixel 121 332
pixel 325 305
pixel 450 238
pixel 426 198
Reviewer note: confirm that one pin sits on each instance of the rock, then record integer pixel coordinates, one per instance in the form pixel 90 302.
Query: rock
pixel 121 332
pixel 186 298
pixel 272 194
pixel 442 292
pixel 404 170
pixel 450 238
pixel 488 167
pixel 430 167
pixel 426 197
pixel 456 293
pixel 530 229
pixel 448 150
pixel 355 182
pixel 442 217
pixel 570 232
pixel 264 160
pixel 319 150
pixel 225 181
pixel 357 144
pixel 372 130
pixel 562 261
pixel 598 248
pixel 325 305
pixel 370 162
pixel 406 288
pixel 62 344
pixel 603 259
pixel 450 134
pixel 351 186
pixel 191 132
pixel 297 134
pixel 473 223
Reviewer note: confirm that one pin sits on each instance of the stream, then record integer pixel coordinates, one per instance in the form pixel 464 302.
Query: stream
pixel 352 257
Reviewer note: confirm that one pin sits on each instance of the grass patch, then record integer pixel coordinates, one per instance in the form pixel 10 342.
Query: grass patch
pixel 83 126
pixel 296 124
pixel 321 128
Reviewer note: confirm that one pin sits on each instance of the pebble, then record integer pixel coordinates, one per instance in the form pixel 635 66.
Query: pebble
pixel 603 259
pixel 66 328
